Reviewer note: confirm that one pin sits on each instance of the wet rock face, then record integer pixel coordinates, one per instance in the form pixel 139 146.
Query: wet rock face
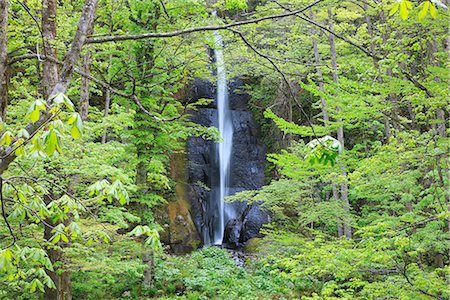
pixel 247 164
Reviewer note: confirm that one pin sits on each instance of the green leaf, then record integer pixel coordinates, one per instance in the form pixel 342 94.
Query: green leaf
pixel 433 10
pixel 404 12
pixel 76 129
pixel 75 132
pixel 6 257
pixel 64 238
pixel 394 8
pixel 36 284
pixel 6 138
pixel 56 238
pixel 51 142
pixel 424 10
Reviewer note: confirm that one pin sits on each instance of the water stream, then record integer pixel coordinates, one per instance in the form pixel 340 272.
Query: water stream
pixel 223 150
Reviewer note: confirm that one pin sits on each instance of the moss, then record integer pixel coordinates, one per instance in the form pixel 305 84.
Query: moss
pixel 252 245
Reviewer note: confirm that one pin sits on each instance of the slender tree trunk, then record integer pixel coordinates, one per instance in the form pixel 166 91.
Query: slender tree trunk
pixel 148 258
pixel 340 131
pixel 63 290
pixel 84 87
pixel 3 58
pixel 50 70
pixel 387 125
pixel 52 84
pixel 326 118
pixel 60 277
pixel 107 103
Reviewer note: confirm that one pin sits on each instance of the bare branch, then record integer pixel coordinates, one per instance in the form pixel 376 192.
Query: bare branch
pixel 4 215
pixel 152 35
pixel 259 53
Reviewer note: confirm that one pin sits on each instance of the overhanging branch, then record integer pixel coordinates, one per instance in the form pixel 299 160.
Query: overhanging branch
pixel 152 35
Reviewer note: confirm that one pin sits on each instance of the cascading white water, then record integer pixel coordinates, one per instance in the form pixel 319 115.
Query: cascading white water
pixel 223 148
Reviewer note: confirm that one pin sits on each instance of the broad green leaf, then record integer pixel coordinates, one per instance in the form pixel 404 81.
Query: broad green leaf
pixel 56 238
pixel 6 260
pixel 424 10
pixel 404 12
pixel 6 138
pixel 433 10
pixel 64 238
pixel 394 8
pixel 75 132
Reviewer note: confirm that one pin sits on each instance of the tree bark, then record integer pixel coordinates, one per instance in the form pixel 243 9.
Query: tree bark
pixel 326 118
pixel 49 68
pixel 148 258
pixel 107 103
pixel 84 87
pixel 3 58
pixel 340 131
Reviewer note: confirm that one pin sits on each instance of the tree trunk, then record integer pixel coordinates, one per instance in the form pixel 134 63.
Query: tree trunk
pixel 60 277
pixel 326 118
pixel 3 58
pixel 84 87
pixel 107 103
pixel 387 129
pixel 49 80
pixel 50 70
pixel 340 131
pixel 148 258
pixel 51 85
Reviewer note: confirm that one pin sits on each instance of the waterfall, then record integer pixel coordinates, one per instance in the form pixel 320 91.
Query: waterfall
pixel 223 149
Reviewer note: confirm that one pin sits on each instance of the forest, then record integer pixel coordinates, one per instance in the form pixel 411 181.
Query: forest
pixel 224 149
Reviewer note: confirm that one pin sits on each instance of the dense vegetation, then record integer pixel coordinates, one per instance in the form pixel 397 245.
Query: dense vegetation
pixel 352 100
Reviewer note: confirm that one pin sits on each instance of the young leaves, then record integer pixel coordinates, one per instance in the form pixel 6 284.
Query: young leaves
pixel 152 240
pixel 77 125
pixel 60 98
pixel 34 112
pixel 324 150
pixel 51 142
pixel 405 6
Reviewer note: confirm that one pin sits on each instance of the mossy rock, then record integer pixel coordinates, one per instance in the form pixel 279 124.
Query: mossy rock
pixel 252 245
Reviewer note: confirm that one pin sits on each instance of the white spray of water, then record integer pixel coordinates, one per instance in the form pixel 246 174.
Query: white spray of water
pixel 224 148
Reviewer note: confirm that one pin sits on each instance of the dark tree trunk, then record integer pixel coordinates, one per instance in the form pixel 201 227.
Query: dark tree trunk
pixel 60 277
pixel 3 58
pixel 49 69
pixel 84 87
pixel 107 103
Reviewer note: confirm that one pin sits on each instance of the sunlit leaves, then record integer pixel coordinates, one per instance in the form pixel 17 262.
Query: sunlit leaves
pixel 6 138
pixel 103 189
pixel 26 264
pixel 34 112
pixel 427 6
pixel 6 259
pixel 404 7
pixel 52 141
pixel 76 125
pixel 60 99
pixel 151 236
pixel 323 150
